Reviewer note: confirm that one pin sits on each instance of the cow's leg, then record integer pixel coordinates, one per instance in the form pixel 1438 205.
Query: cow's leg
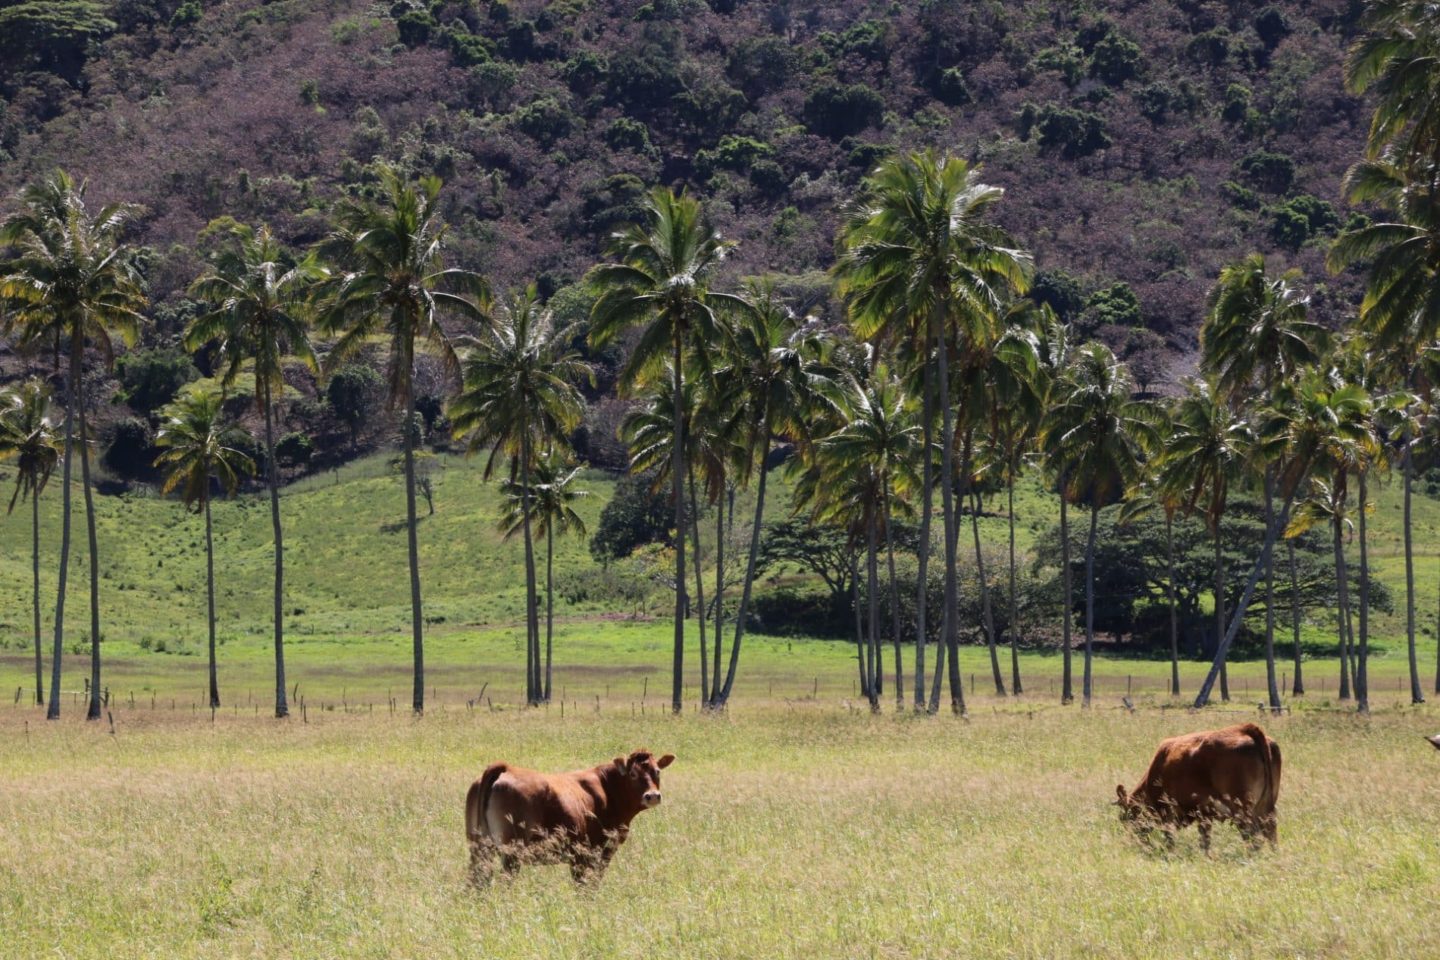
pixel 1204 827
pixel 482 862
pixel 510 859
pixel 1270 828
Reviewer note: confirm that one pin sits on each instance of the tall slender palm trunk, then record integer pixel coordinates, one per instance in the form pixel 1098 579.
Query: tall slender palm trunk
pixel 210 596
pixel 862 647
pixel 1090 599
pixel 93 710
pixel 282 708
pixel 894 604
pixel 1067 691
pixel 751 563
pixel 719 596
pixel 877 665
pixel 677 477
pixel 417 625
pixel 700 613
pixel 1014 630
pixel 987 612
pixel 1415 695
pixel 52 712
pixel 532 620
pixel 1342 611
pixel 35 593
pixel 1297 687
pixel 1174 605
pixel 949 627
pixel 1271 685
pixel 549 606
pixel 922 553
pixel 1362 670
pixel 1220 613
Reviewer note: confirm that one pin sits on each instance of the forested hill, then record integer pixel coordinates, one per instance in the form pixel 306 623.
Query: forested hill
pixel 1143 142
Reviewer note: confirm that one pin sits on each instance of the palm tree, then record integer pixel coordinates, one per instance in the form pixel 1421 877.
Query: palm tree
pixel 27 435
pixel 519 399
pixel 921 265
pixel 1401 309
pixel 1308 421
pixel 193 446
pixel 390 281
pixel 255 294
pixel 1095 438
pixel 1256 335
pixel 1207 450
pixel 659 278
pixel 775 364
pixel 1394 62
pixel 551 501
pixel 71 284
pixel 1054 356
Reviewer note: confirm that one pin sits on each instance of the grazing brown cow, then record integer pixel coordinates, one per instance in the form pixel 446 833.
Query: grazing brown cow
pixel 580 818
pixel 1231 774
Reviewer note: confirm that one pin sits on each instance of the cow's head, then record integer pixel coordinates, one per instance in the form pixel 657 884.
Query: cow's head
pixel 1434 741
pixel 1129 808
pixel 641 772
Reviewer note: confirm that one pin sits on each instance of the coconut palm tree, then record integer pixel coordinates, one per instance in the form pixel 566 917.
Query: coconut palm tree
pixel 1394 62
pixel 1256 335
pixel 389 281
pixel 255 296
pixel 1207 451
pixel 1401 309
pixel 71 285
pixel 1307 421
pixel 775 366
pixel 922 265
pixel 518 399
pixel 1054 355
pixel 551 501
pixel 659 278
pixel 192 439
pixel 28 436
pixel 1095 438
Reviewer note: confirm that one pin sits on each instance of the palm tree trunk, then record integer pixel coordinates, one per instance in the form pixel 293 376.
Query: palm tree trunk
pixel 417 633
pixel 53 711
pixel 894 604
pixel 877 667
pixel 35 593
pixel 1220 612
pixel 700 614
pixel 949 628
pixel 532 603
pixel 93 711
pixel 862 649
pixel 1362 673
pixel 210 596
pixel 1090 598
pixel 282 708
pixel 719 596
pixel 750 564
pixel 1415 695
pixel 1015 686
pixel 677 477
pixel 1067 692
pixel 986 610
pixel 1238 617
pixel 1271 685
pixel 1174 607
pixel 549 605
pixel 922 552
pixel 1297 688
pixel 1342 612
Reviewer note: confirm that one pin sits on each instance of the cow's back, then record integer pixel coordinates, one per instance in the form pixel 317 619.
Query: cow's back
pixel 1201 773
pixel 526 805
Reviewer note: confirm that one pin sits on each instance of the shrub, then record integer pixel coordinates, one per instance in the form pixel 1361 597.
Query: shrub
pixel 416 27
pixel 352 392
pixel 544 120
pixel 1115 59
pixel 130 453
pixel 636 515
pixel 1298 219
pixel 1062 291
pixel 950 87
pixel 1115 305
pixel 149 379
pixel 1075 133
pixel 1270 172
pixel 841 111
pixel 294 449
pixel 759 65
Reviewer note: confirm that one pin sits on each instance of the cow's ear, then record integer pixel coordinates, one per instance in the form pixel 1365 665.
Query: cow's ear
pixel 620 762
pixel 665 761
pixel 1122 797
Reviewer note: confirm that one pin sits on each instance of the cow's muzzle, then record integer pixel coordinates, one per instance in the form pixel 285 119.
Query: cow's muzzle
pixel 651 799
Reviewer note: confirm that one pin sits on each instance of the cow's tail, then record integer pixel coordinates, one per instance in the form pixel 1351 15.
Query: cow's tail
pixel 1270 762
pixel 477 800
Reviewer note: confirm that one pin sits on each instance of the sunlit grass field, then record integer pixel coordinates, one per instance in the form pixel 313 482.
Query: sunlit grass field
pixel 800 829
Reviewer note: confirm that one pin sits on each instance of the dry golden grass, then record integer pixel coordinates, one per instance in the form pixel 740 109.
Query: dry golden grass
pixel 787 831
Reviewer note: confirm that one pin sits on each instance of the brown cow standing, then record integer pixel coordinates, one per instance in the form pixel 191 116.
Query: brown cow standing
pixel 580 818
pixel 1231 774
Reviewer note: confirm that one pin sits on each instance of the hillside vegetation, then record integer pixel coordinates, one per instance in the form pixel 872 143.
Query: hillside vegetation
pixel 1143 144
